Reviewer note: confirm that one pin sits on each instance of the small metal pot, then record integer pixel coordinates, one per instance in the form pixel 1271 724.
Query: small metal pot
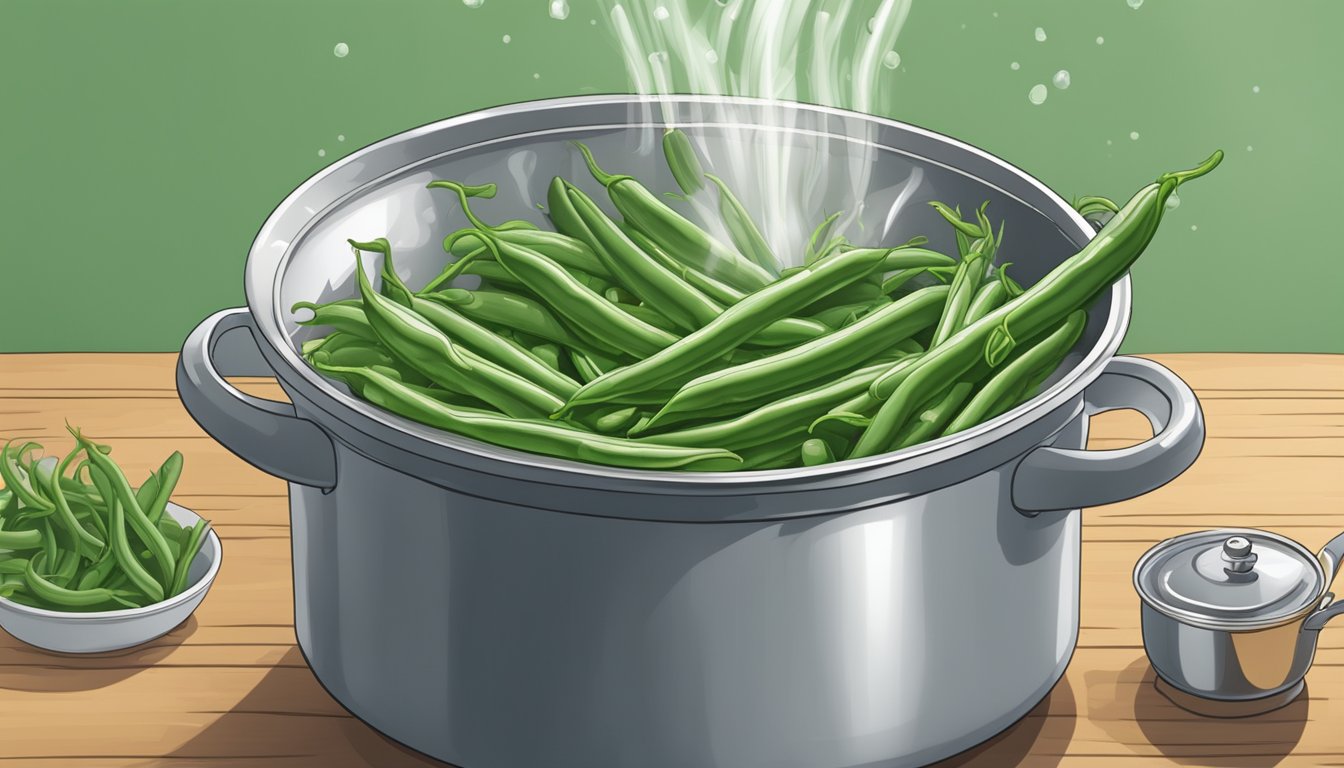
pixel 1233 615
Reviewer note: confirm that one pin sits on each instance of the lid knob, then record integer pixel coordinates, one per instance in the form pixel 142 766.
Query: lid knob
pixel 1237 555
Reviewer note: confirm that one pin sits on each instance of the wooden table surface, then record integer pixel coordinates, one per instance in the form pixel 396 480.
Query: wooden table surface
pixel 229 687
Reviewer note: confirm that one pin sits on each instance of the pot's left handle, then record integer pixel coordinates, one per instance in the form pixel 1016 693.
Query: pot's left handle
pixel 1050 478
pixel 265 433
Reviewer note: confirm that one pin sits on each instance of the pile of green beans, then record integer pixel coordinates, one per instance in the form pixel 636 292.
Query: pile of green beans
pixel 639 339
pixel 98 544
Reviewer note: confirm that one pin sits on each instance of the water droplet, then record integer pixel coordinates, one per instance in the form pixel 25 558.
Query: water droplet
pixel 1040 35
pixel 712 56
pixel 1134 4
pixel 963 26
pixel 661 13
pixel 892 60
pixel 473 3
pixel 1109 142
pixel 1014 66
pixel 1194 227
pixel 1174 201
pixel 593 22
pixel 1062 79
pixel 996 14
pixel 1133 135
pixel 1101 40
pixel 536 75
pixel 321 153
pixel 1255 89
pixel 1249 148
pixel 560 9
pixel 340 137
pixel 658 58
pixel 341 50
pixel 1037 94
pixel 507 39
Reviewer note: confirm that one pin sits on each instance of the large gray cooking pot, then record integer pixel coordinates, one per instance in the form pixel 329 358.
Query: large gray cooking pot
pixel 498 609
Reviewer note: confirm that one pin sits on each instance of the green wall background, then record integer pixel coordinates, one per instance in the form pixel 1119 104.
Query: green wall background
pixel 145 141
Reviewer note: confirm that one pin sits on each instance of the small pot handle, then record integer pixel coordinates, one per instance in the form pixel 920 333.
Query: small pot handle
pixel 1332 554
pixel 265 433
pixel 1061 478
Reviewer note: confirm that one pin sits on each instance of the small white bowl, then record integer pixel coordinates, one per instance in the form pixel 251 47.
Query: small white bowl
pixel 94 632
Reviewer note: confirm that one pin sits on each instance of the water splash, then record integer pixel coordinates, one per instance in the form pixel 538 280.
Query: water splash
pixel 1062 80
pixel 341 50
pixel 1037 94
pixel 1040 35
pixel 830 52
pixel 507 39
pixel 1014 66
pixel 560 9
pixel 1100 40
pixel 1133 135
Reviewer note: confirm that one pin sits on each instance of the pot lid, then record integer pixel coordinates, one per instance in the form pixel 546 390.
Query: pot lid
pixel 1235 577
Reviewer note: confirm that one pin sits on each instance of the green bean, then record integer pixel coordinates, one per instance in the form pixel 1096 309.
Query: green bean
pixel 451 397
pixel 675 233
pixel 717 290
pixel 988 298
pixel 815 451
pixel 780 453
pixel 342 317
pixel 953 217
pixel 97 575
pixel 356 355
pixel 912 257
pixel 653 282
pixel 509 310
pixel 616 419
pixel 768 421
pixel 843 349
pixel 133 514
pixel 505 354
pixel 14 565
pixel 548 353
pixel 819 235
pixel 20 540
pixel 678 362
pixel 858 292
pixel 84 541
pixel 964 286
pixel 577 303
pixel 189 552
pixel 999 393
pixel 744 233
pixel 15 477
pixel 1072 285
pixel 651 316
pixel 682 161
pixel 68 598
pixel 168 475
pixel 538 436
pixel 935 416
pixel 496 275
pixel 562 214
pixel 589 370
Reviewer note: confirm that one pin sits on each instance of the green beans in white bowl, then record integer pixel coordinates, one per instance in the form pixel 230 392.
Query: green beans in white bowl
pixel 100 565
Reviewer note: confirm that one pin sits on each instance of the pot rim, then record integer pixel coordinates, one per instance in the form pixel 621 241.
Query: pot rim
pixel 266 262
pixel 1194 619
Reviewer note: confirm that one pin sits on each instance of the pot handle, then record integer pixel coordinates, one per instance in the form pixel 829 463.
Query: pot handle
pixel 1331 555
pixel 1061 478
pixel 265 433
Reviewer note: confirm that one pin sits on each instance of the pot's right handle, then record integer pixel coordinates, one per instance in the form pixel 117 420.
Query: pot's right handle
pixel 1061 478
pixel 265 433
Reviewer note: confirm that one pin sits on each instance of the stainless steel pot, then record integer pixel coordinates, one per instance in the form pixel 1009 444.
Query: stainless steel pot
pixel 495 608
pixel 1233 615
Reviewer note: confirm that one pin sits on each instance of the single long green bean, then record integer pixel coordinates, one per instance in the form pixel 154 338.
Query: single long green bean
pixel 743 232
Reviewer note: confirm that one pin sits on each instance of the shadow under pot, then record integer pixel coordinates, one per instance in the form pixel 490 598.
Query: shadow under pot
pixel 1231 617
